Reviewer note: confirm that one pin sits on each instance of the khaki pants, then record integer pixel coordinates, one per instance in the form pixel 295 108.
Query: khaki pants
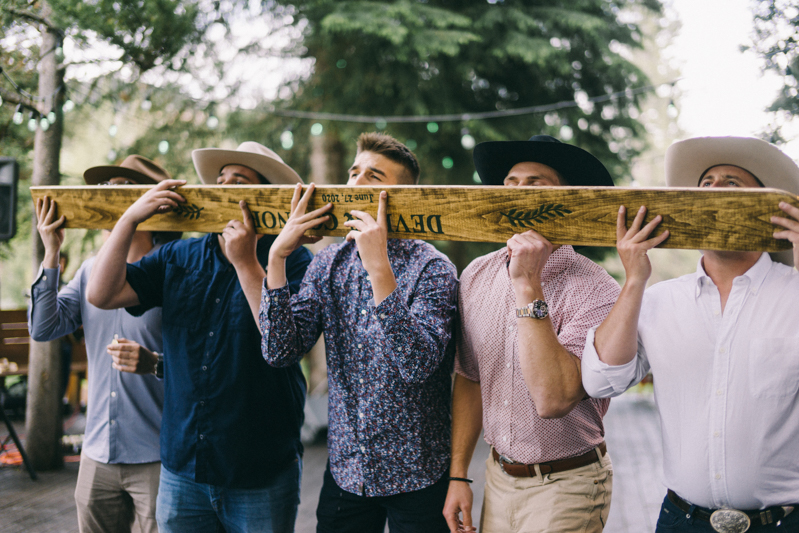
pixel 110 498
pixel 575 501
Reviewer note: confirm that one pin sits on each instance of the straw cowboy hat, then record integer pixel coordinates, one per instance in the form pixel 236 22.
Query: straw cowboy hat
pixel 494 159
pixel 687 160
pixel 134 167
pixel 209 161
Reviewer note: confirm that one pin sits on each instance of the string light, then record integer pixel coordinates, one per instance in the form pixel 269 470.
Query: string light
pixel 112 131
pixel 32 122
pixel 18 118
pixel 44 124
pixel 163 147
pixel 317 129
pixel 69 105
pixel 432 127
pixel 212 122
pixel 51 117
pixel 287 140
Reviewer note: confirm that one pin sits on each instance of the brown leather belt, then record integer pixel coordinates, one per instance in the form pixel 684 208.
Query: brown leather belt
pixel 551 467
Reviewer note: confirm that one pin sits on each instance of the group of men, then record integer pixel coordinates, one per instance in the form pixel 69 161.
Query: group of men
pixel 538 336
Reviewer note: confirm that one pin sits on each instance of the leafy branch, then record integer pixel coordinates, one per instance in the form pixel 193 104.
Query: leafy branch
pixel 527 219
pixel 189 211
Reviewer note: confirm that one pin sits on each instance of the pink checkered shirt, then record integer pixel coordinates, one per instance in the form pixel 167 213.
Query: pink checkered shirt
pixel 580 294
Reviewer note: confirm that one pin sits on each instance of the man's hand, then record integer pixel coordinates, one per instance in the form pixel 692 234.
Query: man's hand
pixel 459 502
pixel 292 236
pixel 371 238
pixel 633 245
pixel 528 252
pixel 129 356
pixel 159 199
pixel 50 230
pixel 241 239
pixel 791 231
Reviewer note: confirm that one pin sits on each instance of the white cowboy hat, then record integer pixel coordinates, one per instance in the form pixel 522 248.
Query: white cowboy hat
pixel 209 161
pixel 687 160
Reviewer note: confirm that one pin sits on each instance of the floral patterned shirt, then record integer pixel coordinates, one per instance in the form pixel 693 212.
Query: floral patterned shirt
pixel 389 365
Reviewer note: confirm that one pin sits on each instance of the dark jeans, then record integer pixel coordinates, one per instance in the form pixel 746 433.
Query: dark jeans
pixel 673 519
pixel 420 511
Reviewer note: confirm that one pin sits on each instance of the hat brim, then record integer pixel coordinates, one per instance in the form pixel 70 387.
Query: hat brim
pixel 96 175
pixel 209 161
pixel 687 160
pixel 494 159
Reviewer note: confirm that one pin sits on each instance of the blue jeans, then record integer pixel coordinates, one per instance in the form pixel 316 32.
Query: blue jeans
pixel 673 519
pixel 186 506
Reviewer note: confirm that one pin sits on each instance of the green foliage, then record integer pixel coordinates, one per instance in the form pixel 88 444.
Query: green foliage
pixel 776 24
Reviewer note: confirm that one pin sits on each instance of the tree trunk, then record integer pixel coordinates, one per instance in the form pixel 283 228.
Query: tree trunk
pixel 43 415
pixel 327 167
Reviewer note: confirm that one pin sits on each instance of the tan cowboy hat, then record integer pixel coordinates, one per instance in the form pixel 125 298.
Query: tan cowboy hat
pixel 134 167
pixel 687 160
pixel 209 161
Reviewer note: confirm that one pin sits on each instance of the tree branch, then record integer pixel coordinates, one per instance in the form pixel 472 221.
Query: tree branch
pixel 33 18
pixel 13 97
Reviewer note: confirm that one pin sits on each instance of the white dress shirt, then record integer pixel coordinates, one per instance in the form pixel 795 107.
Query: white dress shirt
pixel 726 385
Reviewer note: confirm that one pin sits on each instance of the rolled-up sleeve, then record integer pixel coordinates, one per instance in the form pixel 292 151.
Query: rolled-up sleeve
pixel 417 335
pixel 53 315
pixel 601 380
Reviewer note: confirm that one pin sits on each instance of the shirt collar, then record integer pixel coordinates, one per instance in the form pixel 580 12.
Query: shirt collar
pixel 756 274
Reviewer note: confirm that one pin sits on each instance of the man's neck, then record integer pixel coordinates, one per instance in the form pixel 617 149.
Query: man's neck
pixel 724 267
pixel 140 246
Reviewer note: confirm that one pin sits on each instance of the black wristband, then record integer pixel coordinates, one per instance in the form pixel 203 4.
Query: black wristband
pixel 466 479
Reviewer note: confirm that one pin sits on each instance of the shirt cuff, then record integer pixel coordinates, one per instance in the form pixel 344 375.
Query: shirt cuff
pixel 391 311
pixel 278 298
pixel 47 278
pixel 599 377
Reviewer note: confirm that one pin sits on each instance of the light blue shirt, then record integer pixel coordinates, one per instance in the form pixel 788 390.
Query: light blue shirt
pixel 123 418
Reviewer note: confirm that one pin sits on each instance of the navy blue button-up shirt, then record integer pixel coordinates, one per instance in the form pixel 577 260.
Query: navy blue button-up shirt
pixel 388 365
pixel 229 418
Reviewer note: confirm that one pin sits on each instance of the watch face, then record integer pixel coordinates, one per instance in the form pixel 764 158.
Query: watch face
pixel 540 309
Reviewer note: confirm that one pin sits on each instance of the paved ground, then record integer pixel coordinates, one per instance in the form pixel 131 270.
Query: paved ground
pixel 633 435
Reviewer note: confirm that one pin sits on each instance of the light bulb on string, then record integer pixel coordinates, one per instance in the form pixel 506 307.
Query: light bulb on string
pixel 467 141
pixel 69 105
pixel 32 123
pixel 163 147
pixel 1 100
pixel 44 124
pixel 287 140
pixel 212 122
pixel 51 117
pixel 146 104
pixel 112 131
pixel 18 117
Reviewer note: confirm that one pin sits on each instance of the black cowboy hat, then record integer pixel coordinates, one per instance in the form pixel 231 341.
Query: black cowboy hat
pixel 494 159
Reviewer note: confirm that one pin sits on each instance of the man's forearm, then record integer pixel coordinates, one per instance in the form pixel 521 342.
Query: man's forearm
pixel 108 276
pixel 616 340
pixel 251 277
pixel 550 371
pixel 467 421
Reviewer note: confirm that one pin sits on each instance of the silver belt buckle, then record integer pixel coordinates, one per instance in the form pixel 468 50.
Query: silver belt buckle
pixel 730 521
pixel 502 461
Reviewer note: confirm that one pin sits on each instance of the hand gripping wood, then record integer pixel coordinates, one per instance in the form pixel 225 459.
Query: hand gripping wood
pixel 705 219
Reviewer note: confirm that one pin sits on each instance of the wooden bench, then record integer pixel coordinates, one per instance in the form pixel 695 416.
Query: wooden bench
pixel 15 344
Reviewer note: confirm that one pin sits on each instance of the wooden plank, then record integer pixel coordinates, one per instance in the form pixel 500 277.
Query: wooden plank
pixel 708 219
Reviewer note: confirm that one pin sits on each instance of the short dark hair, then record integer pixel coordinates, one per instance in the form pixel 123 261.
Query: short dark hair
pixel 389 147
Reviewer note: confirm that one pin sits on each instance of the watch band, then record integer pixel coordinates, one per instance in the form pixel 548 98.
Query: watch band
pixel 158 371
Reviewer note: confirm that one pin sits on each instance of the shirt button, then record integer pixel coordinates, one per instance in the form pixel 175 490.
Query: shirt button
pixel 716 433
pixel 719 392
pixel 113 421
pixel 211 334
pixel 722 350
pixel 506 402
pixel 360 380
pixel 113 394
pixel 360 415
pixel 505 438
pixel 382 315
pixel 202 403
pixel 716 312
pixel 205 368
pixel 44 278
pixel 508 365
pixel 360 345
pixel 274 300
pixel 718 476
pixel 510 327
pixel 217 300
pixel 368 278
pixel 363 311
pixel 363 449
pixel 202 436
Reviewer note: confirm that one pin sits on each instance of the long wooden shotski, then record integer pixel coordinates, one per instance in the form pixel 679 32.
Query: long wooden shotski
pixel 718 219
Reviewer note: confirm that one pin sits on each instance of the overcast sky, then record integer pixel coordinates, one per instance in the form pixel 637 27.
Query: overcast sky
pixel 724 91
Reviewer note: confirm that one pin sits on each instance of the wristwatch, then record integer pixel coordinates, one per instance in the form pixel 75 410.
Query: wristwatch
pixel 537 309
pixel 158 371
